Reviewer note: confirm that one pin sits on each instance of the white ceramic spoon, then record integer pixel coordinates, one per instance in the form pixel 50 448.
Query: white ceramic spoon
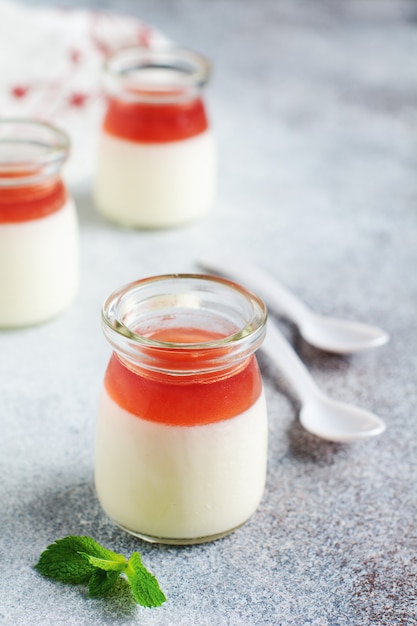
pixel 320 415
pixel 326 333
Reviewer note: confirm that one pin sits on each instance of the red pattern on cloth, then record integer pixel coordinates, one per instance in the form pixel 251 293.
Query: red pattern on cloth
pixel 51 69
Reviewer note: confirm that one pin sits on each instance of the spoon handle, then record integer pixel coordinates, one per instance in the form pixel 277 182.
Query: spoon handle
pixel 284 356
pixel 276 296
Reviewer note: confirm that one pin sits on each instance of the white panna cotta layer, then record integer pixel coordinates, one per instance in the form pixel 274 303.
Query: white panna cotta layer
pixel 38 267
pixel 180 482
pixel 155 185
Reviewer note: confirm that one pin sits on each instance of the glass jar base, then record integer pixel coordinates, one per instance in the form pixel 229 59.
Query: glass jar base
pixel 182 541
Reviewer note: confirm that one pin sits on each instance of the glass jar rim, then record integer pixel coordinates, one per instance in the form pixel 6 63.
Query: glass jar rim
pixel 122 69
pixel 192 291
pixel 33 150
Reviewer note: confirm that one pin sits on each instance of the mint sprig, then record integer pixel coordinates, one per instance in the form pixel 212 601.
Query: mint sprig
pixel 78 560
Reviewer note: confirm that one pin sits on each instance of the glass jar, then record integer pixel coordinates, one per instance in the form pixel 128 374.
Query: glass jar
pixel 38 224
pixel 181 439
pixel 156 156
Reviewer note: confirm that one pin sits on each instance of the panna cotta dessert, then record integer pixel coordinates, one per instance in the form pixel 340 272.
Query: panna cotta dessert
pixel 156 155
pixel 38 225
pixel 181 436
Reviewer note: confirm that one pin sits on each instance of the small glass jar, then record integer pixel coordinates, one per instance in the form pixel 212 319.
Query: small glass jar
pixel 38 224
pixel 156 155
pixel 181 438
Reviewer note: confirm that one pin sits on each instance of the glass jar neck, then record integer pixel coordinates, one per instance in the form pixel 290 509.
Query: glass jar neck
pixel 185 325
pixel 162 76
pixel 31 154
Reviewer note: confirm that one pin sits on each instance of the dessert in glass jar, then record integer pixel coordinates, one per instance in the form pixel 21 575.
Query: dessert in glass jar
pixel 156 154
pixel 181 438
pixel 38 224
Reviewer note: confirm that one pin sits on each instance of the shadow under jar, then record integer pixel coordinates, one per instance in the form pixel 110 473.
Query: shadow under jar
pixel 38 224
pixel 181 437
pixel 156 155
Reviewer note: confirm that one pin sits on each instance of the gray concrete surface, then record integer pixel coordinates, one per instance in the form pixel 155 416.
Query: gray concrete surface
pixel 314 106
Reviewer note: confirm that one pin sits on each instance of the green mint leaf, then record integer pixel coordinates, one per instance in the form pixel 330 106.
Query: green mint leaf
pixel 118 564
pixel 145 587
pixel 67 559
pixel 62 560
pixel 101 582
pixel 78 560
pixel 94 549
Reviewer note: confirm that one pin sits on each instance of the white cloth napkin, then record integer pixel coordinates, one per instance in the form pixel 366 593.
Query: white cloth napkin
pixel 51 69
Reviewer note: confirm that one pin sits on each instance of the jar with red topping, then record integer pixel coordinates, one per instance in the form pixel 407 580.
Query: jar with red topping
pixel 181 436
pixel 156 154
pixel 38 224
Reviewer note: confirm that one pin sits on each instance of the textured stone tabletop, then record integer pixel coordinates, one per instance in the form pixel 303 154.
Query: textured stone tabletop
pixel 314 107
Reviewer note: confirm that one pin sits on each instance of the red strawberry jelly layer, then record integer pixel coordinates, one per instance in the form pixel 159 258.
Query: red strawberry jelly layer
pixel 178 402
pixel 144 122
pixel 30 202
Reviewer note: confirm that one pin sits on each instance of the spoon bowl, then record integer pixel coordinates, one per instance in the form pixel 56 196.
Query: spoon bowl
pixel 326 333
pixel 340 336
pixel 337 421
